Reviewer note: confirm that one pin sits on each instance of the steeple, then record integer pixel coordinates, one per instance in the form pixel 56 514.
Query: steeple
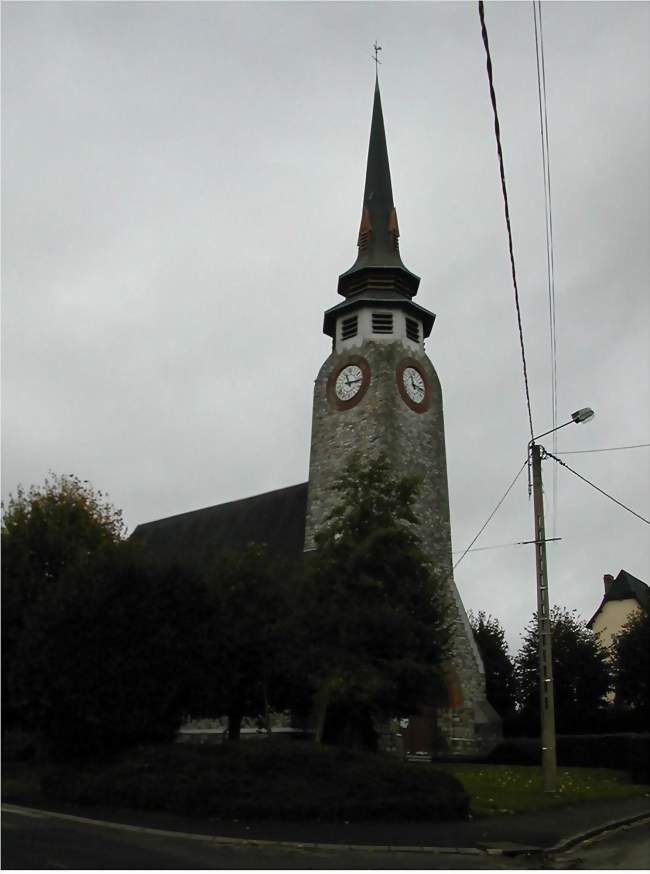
pixel 378 265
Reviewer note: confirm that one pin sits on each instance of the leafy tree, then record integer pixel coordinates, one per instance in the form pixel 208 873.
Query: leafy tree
pixel 99 646
pixel 499 669
pixel 631 655
pixel 378 627
pixel 248 654
pixel 45 531
pixel 108 655
pixel 580 672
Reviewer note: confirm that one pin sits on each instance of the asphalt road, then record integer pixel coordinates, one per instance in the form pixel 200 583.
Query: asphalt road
pixel 41 841
pixel 44 841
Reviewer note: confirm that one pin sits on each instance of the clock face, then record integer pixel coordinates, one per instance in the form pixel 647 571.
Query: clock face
pixel 348 382
pixel 414 385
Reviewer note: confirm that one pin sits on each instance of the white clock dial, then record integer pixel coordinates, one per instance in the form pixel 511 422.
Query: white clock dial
pixel 348 382
pixel 414 384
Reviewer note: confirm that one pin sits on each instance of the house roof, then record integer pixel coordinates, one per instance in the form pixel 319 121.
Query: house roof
pixel 623 588
pixel 276 519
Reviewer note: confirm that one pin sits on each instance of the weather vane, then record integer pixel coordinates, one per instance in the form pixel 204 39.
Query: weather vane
pixel 376 55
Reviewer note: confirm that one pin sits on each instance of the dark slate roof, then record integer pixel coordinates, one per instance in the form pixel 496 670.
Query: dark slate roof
pixel 379 228
pixel 276 519
pixel 624 587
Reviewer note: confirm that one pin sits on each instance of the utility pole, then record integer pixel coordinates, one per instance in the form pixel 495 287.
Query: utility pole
pixel 546 696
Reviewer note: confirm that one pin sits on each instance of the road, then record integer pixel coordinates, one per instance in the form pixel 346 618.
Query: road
pixel 44 841
pixel 38 840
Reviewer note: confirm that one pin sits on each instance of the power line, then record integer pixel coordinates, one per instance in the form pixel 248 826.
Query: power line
pixel 548 212
pixel 584 479
pixel 497 132
pixel 489 518
pixel 607 449
pixel 506 545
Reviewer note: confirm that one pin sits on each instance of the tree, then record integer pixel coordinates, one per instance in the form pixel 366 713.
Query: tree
pixel 108 657
pixel 99 645
pixel 631 656
pixel 378 615
pixel 580 672
pixel 499 669
pixel 248 647
pixel 45 531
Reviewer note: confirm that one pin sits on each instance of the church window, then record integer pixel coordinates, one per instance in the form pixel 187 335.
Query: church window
pixel 413 330
pixel 382 323
pixel 349 327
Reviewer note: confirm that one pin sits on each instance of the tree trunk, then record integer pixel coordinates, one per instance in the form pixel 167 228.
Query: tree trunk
pixel 234 726
pixel 321 703
pixel 267 709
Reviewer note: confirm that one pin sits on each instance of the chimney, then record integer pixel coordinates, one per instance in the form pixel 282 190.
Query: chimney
pixel 608 579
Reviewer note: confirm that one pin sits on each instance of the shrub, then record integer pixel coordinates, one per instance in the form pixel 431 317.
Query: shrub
pixel 623 752
pixel 275 779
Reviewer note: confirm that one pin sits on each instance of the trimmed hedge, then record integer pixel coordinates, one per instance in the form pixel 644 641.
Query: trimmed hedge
pixel 274 779
pixel 623 752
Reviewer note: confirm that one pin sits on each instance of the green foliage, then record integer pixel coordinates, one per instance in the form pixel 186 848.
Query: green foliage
pixel 378 615
pixel 274 779
pixel 106 657
pixel 46 530
pixel 631 654
pixel 99 644
pixel 580 672
pixel 247 660
pixel 499 669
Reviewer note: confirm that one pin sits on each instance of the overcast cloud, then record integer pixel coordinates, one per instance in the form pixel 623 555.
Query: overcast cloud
pixel 182 186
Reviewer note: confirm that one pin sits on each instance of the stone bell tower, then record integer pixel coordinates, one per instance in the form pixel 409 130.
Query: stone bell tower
pixel 378 391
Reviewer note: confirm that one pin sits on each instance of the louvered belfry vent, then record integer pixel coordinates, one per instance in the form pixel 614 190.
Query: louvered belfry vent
pixel 413 330
pixel 349 327
pixel 382 323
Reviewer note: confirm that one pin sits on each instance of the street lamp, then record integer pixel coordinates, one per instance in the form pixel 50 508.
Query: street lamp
pixel 546 697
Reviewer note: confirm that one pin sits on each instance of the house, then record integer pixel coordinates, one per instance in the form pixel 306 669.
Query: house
pixel 623 597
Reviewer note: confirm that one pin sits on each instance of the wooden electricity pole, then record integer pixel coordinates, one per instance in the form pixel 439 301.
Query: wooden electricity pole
pixel 546 696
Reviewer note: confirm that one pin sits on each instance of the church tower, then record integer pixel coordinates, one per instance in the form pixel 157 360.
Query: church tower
pixel 378 391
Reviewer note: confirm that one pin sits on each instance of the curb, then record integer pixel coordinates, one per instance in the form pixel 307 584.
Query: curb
pixel 239 842
pixel 578 838
pixel 566 843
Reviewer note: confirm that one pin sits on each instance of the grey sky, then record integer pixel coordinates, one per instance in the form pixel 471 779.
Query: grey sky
pixel 182 186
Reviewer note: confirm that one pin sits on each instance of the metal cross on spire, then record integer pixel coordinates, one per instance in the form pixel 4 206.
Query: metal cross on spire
pixel 376 57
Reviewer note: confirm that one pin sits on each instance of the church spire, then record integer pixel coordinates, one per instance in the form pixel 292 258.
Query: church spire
pixel 378 245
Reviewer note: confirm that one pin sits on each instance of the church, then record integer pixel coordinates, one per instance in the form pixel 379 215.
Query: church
pixel 377 391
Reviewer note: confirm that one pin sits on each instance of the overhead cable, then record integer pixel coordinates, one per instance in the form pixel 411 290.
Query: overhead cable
pixel 497 132
pixel 507 545
pixel 548 215
pixel 602 492
pixel 607 449
pixel 489 518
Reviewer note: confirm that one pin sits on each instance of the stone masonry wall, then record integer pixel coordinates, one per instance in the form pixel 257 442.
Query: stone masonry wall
pixel 415 444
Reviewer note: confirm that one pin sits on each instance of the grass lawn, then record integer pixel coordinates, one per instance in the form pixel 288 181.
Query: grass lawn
pixel 498 789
